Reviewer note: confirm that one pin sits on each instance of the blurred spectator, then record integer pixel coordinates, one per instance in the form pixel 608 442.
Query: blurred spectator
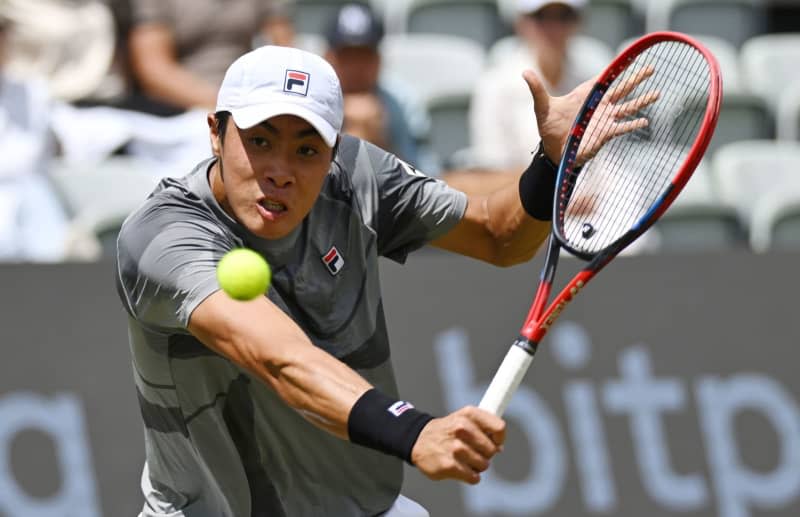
pixel 179 49
pixel 371 111
pixel 502 131
pixel 68 43
pixel 33 224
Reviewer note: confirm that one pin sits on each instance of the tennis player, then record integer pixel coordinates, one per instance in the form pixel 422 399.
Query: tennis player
pixel 287 405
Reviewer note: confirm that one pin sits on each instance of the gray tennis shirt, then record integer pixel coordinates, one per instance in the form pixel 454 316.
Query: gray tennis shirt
pixel 218 441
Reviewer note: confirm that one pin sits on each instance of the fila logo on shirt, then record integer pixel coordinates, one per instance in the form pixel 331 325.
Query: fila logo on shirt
pixel 333 261
pixel 400 407
pixel 296 82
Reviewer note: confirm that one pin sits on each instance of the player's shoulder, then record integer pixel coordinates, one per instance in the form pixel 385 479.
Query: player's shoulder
pixel 360 162
pixel 176 204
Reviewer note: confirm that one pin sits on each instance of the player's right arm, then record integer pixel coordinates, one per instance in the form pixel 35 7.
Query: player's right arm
pixel 261 338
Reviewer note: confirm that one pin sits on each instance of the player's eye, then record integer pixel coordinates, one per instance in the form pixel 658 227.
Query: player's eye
pixel 307 151
pixel 259 141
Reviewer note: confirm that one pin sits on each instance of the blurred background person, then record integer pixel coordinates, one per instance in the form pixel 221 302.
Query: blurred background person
pixel 179 49
pixel 69 44
pixel 33 225
pixel 371 111
pixel 502 131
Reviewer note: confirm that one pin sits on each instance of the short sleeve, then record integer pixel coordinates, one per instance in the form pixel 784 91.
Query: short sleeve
pixel 413 209
pixel 166 268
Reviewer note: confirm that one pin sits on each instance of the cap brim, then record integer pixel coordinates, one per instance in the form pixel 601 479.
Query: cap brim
pixel 250 116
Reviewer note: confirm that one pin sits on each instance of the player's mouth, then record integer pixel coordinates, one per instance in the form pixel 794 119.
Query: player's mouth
pixel 270 209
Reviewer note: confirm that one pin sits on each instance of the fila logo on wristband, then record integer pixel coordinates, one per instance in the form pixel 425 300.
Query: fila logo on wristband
pixel 296 82
pixel 333 261
pixel 400 407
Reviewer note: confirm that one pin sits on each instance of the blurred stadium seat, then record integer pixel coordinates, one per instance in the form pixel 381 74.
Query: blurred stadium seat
pixel 440 71
pixel 433 65
pixel 743 117
pixel 613 21
pixel 789 113
pixel 698 220
pixel 449 130
pixel 775 222
pixel 733 20
pixel 745 172
pixel 770 64
pixel 99 197
pixel 478 20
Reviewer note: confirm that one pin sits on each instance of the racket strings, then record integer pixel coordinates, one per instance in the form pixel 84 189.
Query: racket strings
pixel 664 161
pixel 616 188
pixel 623 198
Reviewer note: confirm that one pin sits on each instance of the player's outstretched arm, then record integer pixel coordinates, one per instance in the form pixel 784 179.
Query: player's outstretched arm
pixel 261 338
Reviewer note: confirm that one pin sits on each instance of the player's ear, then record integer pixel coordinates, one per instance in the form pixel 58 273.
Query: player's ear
pixel 215 135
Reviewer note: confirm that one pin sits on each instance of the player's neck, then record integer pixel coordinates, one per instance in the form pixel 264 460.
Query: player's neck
pixel 218 187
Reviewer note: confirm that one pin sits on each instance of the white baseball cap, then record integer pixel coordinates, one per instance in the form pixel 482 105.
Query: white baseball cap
pixel 271 81
pixel 531 6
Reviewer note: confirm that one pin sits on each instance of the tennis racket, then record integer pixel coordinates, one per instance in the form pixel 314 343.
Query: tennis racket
pixel 636 141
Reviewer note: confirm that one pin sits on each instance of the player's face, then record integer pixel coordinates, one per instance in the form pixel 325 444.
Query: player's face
pixel 271 174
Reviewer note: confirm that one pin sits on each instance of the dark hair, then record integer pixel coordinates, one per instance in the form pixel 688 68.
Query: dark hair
pixel 222 123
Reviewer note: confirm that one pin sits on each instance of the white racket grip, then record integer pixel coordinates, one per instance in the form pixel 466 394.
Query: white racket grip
pixel 506 380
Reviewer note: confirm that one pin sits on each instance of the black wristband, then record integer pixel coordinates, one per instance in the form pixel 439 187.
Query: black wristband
pixel 537 186
pixel 385 424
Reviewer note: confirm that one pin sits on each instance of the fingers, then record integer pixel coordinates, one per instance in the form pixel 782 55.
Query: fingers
pixel 467 455
pixel 462 472
pixel 621 91
pixel 541 99
pixel 460 445
pixel 482 435
pixel 482 441
pixel 632 107
pixel 628 126
pixel 492 425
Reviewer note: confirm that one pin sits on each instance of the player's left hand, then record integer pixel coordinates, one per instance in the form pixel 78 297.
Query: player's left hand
pixel 555 115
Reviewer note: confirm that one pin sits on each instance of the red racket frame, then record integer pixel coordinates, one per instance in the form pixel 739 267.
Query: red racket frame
pixel 539 319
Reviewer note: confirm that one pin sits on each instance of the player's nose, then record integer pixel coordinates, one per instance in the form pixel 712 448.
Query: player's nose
pixel 279 174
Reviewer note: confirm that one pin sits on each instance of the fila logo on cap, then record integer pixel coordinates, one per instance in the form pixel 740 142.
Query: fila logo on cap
pixel 333 261
pixel 296 82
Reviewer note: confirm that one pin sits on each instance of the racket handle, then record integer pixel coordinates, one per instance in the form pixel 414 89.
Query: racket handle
pixel 508 376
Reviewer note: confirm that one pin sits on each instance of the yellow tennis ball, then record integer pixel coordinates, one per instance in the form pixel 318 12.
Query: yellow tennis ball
pixel 243 274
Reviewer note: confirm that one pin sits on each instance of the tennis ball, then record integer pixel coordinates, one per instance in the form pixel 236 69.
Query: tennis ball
pixel 243 274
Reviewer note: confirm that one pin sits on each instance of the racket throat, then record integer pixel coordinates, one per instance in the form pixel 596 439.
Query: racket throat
pixel 527 345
